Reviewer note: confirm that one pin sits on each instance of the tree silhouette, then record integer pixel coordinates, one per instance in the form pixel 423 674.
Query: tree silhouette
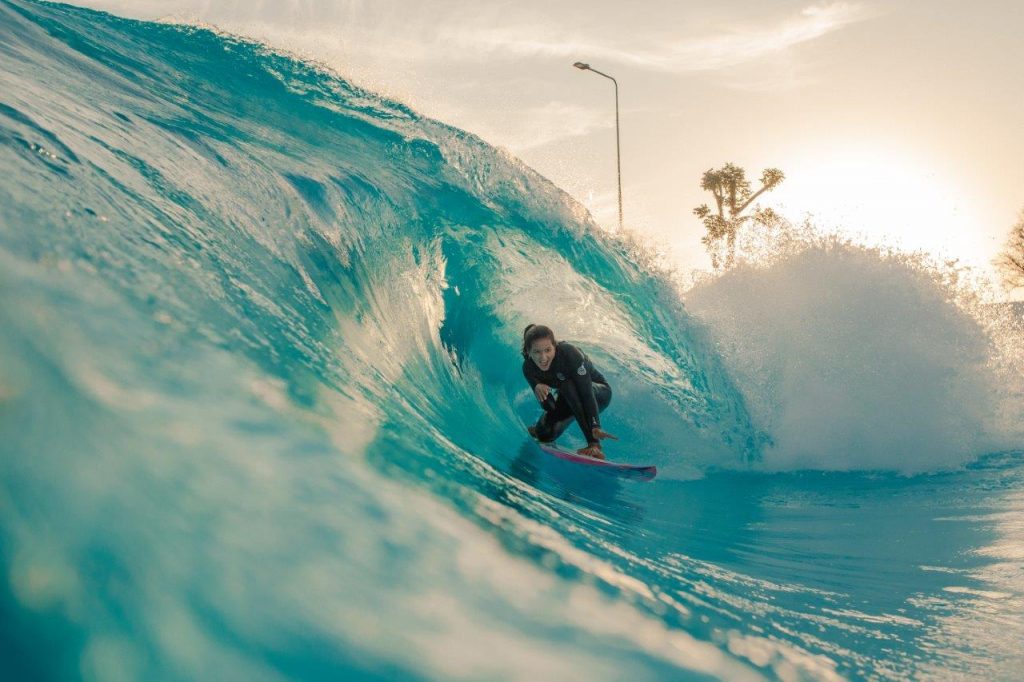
pixel 1011 261
pixel 731 190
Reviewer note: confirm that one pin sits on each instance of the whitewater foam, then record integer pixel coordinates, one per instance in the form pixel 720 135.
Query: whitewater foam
pixel 855 358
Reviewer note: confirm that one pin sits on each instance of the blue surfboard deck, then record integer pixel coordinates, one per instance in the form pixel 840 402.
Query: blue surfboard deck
pixel 638 472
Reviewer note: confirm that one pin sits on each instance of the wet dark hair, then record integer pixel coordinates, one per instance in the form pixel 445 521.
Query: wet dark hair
pixel 535 332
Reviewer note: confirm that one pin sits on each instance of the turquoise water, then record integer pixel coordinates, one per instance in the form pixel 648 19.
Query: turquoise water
pixel 261 413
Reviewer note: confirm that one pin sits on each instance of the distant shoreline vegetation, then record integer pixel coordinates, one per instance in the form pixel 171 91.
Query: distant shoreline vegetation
pixel 1011 261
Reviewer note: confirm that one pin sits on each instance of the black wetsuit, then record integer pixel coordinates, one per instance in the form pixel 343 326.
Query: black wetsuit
pixel 582 393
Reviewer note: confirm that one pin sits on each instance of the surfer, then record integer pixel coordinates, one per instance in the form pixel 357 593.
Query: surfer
pixel 567 387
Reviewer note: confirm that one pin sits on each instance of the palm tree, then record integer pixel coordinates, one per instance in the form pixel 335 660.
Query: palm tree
pixel 731 190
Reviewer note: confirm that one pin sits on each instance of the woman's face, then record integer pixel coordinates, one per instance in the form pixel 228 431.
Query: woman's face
pixel 542 352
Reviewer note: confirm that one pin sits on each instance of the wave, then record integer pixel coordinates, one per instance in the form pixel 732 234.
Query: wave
pixel 262 413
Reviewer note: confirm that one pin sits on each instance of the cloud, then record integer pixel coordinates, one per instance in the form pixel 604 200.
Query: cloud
pixel 540 126
pixel 456 31
pixel 729 48
pixel 739 47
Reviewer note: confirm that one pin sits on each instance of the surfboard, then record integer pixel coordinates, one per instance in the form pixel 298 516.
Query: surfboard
pixel 639 472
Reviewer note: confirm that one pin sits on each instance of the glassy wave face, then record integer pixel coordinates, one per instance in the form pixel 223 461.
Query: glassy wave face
pixel 262 413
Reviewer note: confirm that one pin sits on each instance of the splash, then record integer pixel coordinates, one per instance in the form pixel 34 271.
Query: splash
pixel 861 358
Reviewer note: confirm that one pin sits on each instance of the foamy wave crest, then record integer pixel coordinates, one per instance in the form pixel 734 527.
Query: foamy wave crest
pixel 857 358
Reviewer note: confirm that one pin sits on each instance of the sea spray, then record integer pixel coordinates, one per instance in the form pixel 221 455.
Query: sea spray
pixel 857 358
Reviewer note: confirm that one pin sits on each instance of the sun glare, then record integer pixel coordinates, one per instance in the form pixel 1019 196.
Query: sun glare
pixel 883 198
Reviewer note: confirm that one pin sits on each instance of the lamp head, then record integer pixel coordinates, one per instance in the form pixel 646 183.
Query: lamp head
pixel 581 66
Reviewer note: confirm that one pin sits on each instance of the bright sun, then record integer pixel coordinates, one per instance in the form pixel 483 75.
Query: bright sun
pixel 884 198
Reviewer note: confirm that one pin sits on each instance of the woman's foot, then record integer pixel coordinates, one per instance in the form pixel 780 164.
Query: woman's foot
pixel 592 450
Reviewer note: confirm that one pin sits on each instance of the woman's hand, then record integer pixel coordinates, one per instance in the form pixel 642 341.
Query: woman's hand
pixel 600 434
pixel 541 391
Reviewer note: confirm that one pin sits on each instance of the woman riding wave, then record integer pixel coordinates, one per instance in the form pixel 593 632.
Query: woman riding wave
pixel 567 387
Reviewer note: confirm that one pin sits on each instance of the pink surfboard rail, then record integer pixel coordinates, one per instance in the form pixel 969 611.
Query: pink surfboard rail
pixel 640 472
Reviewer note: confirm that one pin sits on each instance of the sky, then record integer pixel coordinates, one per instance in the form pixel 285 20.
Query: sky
pixel 898 123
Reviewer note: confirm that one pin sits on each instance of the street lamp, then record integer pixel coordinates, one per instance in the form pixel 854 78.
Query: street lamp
pixel 618 152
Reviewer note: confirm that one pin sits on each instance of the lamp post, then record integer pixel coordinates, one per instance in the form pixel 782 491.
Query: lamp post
pixel 618 152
